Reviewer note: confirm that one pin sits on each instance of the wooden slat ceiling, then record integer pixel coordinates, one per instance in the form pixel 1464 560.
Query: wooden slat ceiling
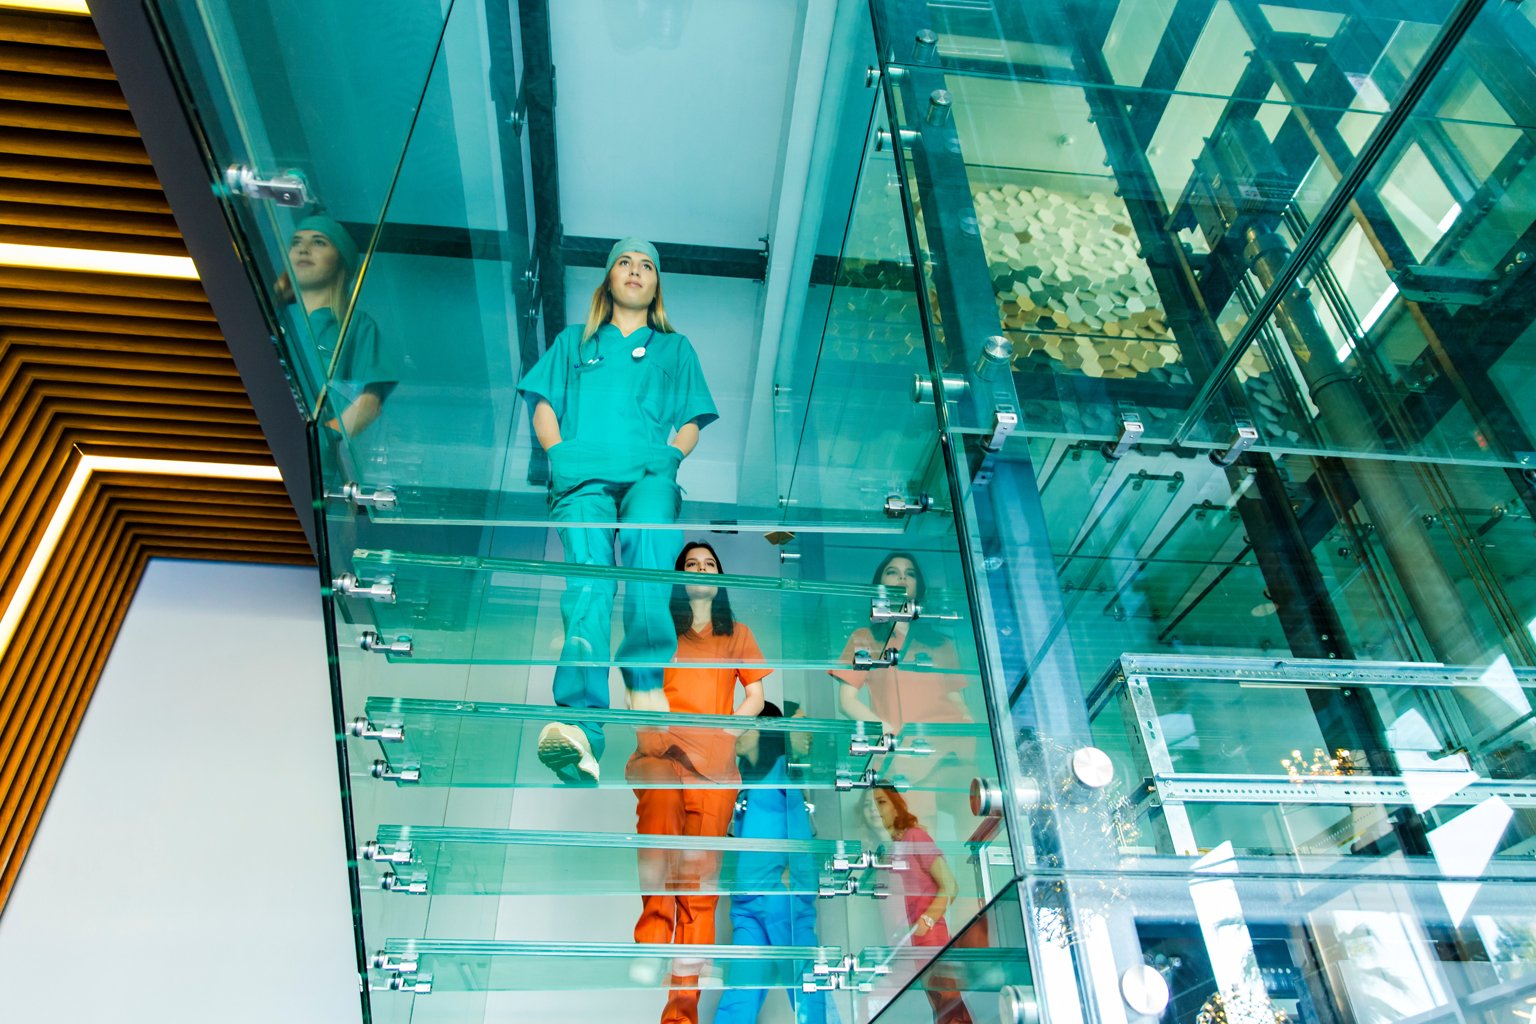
pixel 101 364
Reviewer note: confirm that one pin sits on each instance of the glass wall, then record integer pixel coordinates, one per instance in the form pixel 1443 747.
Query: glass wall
pixel 1120 473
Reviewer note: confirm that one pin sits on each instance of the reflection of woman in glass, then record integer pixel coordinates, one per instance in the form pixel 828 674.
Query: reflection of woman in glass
pixel 927 888
pixel 618 403
pixel 762 913
pixel 915 689
pixel 685 778
pixel 899 694
pixel 323 260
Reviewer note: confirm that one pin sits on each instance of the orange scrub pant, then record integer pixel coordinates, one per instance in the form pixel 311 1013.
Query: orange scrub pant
pixel 670 914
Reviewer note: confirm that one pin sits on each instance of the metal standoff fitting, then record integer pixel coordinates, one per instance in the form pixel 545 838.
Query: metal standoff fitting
pixel 996 354
pixel 408 962
pixel 1144 990
pixel 939 105
pixel 371 641
pixel 897 506
pixel 363 729
pixel 1091 767
pixel 286 189
pixel 383 770
pixel 882 611
pixel 415 984
pixel 1244 436
pixel 887 658
pixel 922 388
pixel 398 853
pixel 987 796
pixel 1131 429
pixel 925 45
pixel 1016 1005
pixel 381 589
pixel 415 885
pixel 381 498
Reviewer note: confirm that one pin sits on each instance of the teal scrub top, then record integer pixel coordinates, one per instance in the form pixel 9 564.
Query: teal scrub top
pixel 616 414
pixel 361 366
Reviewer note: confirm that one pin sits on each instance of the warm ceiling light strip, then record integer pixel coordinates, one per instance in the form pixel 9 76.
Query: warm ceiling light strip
pixel 100 261
pixel 89 464
pixel 50 6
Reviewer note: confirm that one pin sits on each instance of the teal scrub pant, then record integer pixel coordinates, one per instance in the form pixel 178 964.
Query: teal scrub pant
pixel 581 680
pixel 769 920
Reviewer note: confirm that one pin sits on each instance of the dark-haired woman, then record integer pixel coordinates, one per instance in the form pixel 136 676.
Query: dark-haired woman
pixel 685 778
pixel 903 692
pixel 925 685
pixel 763 913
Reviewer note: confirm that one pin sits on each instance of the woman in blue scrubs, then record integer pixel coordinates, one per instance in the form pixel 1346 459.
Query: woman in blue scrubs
pixel 618 404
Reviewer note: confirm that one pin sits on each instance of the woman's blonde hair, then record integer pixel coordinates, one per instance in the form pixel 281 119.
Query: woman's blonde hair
pixel 601 311
pixel 336 300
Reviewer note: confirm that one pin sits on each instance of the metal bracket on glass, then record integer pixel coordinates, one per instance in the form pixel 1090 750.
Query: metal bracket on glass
pixel 996 355
pixel 886 743
pixel 404 774
pixel 410 885
pixel 381 498
pixel 847 780
pixel 922 388
pixel 864 661
pixel 897 506
pixel 846 973
pixel 396 853
pixel 881 611
pixel 415 984
pixel 288 189
pixel 381 589
pixel 519 116
pixel 1005 420
pixel 401 645
pixel 883 138
pixel 1244 436
pixel 366 730
pixel 406 964
pixel 1131 429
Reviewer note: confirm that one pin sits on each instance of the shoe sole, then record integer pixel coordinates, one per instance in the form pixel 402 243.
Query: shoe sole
pixel 559 752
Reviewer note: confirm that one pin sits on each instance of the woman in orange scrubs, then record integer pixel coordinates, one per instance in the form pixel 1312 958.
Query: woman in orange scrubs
pixel 686 778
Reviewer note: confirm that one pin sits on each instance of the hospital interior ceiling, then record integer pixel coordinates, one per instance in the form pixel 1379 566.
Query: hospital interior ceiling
pixel 95 364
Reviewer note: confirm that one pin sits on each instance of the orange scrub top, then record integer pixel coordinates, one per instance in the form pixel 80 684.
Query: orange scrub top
pixel 712 691
pixel 900 694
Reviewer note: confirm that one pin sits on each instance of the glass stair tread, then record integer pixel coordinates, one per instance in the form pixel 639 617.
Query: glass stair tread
pixel 495 965
pixel 448 861
pixel 453 507
pixel 457 610
pixel 488 744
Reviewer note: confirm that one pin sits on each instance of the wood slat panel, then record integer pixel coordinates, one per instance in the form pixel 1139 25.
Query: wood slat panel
pixel 98 364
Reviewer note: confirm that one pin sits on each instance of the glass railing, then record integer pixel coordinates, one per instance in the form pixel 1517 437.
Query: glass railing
pixel 1072 297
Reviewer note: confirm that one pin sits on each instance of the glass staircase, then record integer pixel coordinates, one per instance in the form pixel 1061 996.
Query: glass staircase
pixel 999 334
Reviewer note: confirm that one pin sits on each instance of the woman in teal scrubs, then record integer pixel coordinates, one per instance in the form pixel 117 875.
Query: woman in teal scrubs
pixel 323 260
pixel 618 404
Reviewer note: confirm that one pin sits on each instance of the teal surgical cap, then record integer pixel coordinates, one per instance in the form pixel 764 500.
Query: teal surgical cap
pixel 339 236
pixel 625 245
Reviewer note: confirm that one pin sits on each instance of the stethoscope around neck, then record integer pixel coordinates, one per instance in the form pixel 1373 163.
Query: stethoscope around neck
pixel 595 360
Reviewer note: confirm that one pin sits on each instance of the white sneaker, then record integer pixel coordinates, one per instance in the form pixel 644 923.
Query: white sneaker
pixel 566 751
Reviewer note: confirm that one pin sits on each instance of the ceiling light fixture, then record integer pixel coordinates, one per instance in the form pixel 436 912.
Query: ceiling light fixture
pixel 32 576
pixel 48 6
pixel 100 261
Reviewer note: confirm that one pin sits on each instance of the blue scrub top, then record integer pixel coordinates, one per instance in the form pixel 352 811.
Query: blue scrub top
pixel 617 413
pixel 773 814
